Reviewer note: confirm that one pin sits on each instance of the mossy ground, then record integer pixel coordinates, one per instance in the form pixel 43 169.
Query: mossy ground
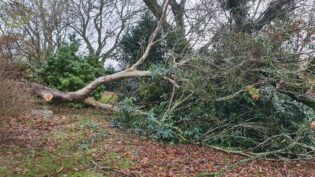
pixel 108 98
pixel 69 148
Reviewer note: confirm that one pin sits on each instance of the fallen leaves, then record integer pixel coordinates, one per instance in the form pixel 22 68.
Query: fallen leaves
pixel 129 155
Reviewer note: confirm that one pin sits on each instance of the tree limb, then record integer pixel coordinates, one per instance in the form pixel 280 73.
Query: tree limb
pixel 154 7
pixel 83 94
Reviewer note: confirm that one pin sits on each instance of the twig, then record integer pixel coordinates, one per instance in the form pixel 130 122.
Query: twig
pixel 237 164
pixel 176 104
pixel 231 152
pixel 171 81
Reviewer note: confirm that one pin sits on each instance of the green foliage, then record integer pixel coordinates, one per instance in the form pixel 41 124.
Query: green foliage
pixel 252 121
pixel 66 71
pixel 159 70
pixel 152 90
pixel 250 78
pixel 136 40
pixel 144 122
pixel 237 96
pixel 108 98
pixel 134 43
pixel 177 43
pixel 155 88
pixel 132 47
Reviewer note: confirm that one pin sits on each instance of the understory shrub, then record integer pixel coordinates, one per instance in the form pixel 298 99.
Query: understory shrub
pixel 67 71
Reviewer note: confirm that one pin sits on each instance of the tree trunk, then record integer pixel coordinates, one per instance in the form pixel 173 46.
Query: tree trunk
pixel 83 94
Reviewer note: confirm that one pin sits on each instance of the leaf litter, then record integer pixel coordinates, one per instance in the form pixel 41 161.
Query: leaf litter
pixel 82 143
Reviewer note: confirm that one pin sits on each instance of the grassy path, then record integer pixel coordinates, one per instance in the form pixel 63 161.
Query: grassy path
pixel 81 143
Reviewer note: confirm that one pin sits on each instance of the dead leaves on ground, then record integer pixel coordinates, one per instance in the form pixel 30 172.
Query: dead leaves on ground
pixel 134 156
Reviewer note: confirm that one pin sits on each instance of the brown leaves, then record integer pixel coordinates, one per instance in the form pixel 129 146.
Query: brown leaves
pixel 129 155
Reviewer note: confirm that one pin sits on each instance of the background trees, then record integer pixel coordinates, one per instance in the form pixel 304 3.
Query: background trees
pixel 133 43
pixel 37 27
pixel 100 24
pixel 42 26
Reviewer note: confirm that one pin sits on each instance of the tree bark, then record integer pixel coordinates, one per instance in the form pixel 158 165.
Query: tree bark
pixel 154 7
pixel 275 9
pixel 178 10
pixel 239 12
pixel 83 94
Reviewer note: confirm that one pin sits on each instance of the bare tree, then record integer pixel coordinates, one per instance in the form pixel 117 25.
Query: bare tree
pixel 250 16
pixel 36 23
pixel 100 23
pixel 178 11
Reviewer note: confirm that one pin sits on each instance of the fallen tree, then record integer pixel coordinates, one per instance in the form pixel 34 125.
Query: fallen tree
pixel 247 93
pixel 83 94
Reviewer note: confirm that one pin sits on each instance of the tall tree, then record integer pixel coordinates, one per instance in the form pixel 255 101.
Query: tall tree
pixel 178 31
pixel 244 22
pixel 36 24
pixel 100 23
pixel 178 10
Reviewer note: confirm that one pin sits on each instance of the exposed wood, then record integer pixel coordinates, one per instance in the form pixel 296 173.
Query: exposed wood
pixel 83 94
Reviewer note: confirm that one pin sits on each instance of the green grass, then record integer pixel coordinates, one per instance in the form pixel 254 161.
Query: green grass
pixel 71 152
pixel 64 159
pixel 115 160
